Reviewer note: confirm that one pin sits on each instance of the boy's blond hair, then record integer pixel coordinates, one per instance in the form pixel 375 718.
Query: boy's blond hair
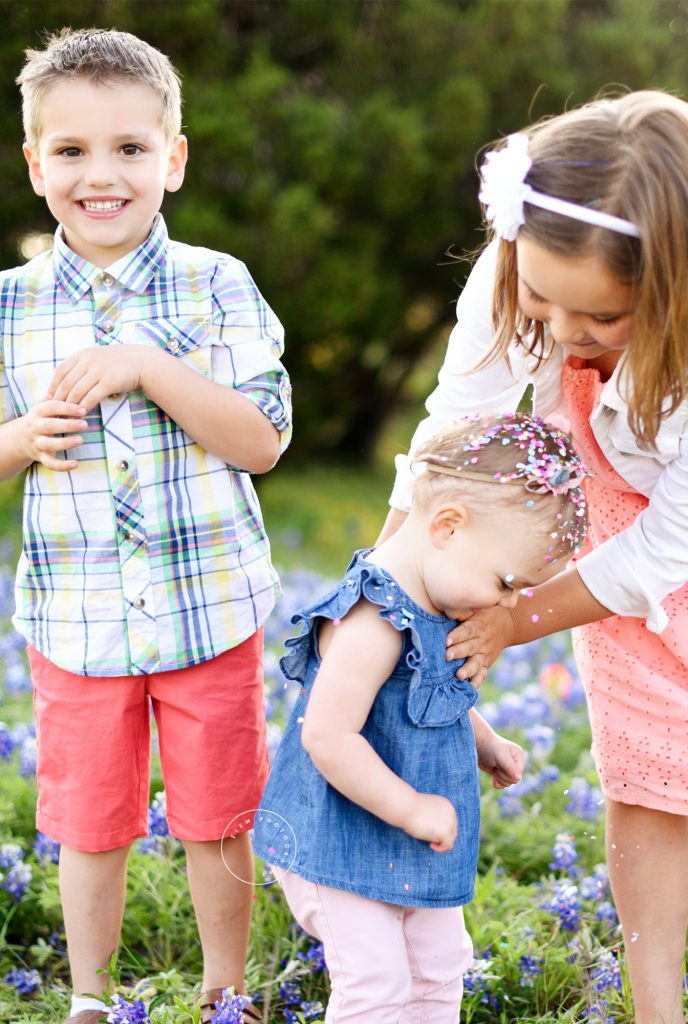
pixel 101 55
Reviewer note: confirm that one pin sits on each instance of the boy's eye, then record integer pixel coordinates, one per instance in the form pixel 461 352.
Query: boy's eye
pixel 131 149
pixel 69 151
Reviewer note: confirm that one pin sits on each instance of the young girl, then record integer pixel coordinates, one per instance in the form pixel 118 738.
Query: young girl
pixel 371 812
pixel 586 286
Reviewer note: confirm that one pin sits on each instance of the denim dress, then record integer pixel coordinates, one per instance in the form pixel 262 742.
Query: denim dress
pixel 420 727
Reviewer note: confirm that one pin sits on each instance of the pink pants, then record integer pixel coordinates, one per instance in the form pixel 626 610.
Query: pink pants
pixel 388 964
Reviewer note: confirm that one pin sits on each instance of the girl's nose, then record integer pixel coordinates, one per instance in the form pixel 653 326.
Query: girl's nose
pixel 566 328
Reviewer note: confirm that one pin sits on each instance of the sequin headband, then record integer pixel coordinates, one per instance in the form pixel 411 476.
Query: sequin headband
pixel 558 483
pixel 504 190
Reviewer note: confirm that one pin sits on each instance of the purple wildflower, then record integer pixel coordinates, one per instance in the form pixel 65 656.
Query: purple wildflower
pixel 229 1010
pixel 157 815
pixel 566 904
pixel 530 967
pixel 46 849
pixel 594 886
pixel 17 879
pixel 607 914
pixel 27 757
pixel 123 1012
pixel 564 854
pixel 6 742
pixel 314 957
pixel 606 973
pixel 10 854
pixel 585 801
pixel 24 981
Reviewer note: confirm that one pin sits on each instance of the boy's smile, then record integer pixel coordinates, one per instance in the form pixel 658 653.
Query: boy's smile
pixel 103 163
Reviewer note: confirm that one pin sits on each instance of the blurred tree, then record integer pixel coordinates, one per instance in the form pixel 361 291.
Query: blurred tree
pixel 333 147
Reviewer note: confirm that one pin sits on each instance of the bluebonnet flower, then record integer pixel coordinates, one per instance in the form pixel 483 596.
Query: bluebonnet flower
pixel 17 879
pixel 123 1012
pixel 10 854
pixel 149 845
pixel 606 973
pixel 157 815
pixel 584 800
pixel 46 849
pixel 27 757
pixel 290 992
pixel 596 885
pixel 314 957
pixel 530 967
pixel 6 742
pixel 607 914
pixel 510 804
pixel 541 740
pixel 565 903
pixel 25 981
pixel 564 854
pixel 16 677
pixel 229 1010
pixel 597 1014
pixel 21 732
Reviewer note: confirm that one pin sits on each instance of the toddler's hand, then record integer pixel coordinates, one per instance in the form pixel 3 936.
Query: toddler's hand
pixel 42 426
pixel 503 760
pixel 433 819
pixel 95 373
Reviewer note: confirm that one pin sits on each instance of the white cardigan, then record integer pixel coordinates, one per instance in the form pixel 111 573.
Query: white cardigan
pixel 633 571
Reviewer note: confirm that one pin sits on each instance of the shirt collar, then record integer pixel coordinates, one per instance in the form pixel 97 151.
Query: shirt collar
pixel 133 271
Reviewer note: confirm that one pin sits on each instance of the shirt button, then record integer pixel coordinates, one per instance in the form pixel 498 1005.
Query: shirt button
pixel 174 345
pixel 107 280
pixel 108 327
pixel 139 603
pixel 123 466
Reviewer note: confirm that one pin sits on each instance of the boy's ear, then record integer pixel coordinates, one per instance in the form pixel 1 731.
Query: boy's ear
pixel 445 521
pixel 35 172
pixel 179 153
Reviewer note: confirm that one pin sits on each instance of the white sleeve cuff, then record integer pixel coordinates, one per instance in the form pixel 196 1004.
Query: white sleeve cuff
pixel 604 572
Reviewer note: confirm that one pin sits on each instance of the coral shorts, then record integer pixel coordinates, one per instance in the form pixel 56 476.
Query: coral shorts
pixel 93 742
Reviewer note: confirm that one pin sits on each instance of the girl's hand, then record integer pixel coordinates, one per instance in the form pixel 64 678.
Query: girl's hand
pixel 480 640
pixel 433 819
pixel 503 760
pixel 96 373
pixel 41 430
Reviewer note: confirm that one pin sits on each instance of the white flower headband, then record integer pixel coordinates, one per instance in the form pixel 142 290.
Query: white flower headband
pixel 504 191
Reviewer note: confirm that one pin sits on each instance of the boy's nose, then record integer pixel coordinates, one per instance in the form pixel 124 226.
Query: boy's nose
pixel 99 172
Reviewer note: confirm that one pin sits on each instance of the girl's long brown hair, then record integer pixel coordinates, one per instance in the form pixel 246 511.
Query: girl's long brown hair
pixel 628 156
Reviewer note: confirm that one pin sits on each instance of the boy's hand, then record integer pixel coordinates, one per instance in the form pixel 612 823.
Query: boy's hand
pixel 501 759
pixel 480 639
pixel 95 373
pixel 433 819
pixel 41 428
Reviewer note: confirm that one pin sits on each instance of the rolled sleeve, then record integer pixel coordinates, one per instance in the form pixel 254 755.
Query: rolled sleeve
pixel 248 341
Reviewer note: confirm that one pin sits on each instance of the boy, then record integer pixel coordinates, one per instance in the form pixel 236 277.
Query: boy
pixel 140 383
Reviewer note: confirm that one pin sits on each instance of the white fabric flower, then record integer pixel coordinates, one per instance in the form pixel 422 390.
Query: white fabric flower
pixel 503 190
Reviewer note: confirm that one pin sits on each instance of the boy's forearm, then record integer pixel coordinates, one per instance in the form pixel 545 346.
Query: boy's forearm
pixel 13 460
pixel 220 419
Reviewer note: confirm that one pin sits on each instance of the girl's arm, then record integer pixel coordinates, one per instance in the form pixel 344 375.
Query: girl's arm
pixel 561 603
pixel 500 758
pixel 359 656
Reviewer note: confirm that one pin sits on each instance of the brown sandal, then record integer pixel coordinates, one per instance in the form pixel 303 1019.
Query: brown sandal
pixel 249 1015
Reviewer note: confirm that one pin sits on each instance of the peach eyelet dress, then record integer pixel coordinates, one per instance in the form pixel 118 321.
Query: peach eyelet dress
pixel 636 681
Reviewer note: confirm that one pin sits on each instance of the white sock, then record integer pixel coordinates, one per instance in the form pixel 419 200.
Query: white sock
pixel 80 1003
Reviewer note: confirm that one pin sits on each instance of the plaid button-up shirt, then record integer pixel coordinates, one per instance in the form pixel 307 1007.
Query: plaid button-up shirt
pixel 151 555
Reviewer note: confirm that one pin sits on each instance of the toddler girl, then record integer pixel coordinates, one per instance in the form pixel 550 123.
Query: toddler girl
pixel 371 812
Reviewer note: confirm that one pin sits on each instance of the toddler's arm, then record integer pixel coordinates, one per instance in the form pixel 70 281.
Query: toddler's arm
pixel 36 437
pixel 358 656
pixel 497 756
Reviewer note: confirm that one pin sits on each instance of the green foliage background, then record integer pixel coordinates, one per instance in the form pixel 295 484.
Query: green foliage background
pixel 333 147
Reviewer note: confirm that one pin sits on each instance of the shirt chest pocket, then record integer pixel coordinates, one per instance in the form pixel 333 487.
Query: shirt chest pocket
pixel 666 446
pixel 185 338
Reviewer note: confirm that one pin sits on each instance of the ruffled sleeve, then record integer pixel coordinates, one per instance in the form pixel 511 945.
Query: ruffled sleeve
pixel 436 697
